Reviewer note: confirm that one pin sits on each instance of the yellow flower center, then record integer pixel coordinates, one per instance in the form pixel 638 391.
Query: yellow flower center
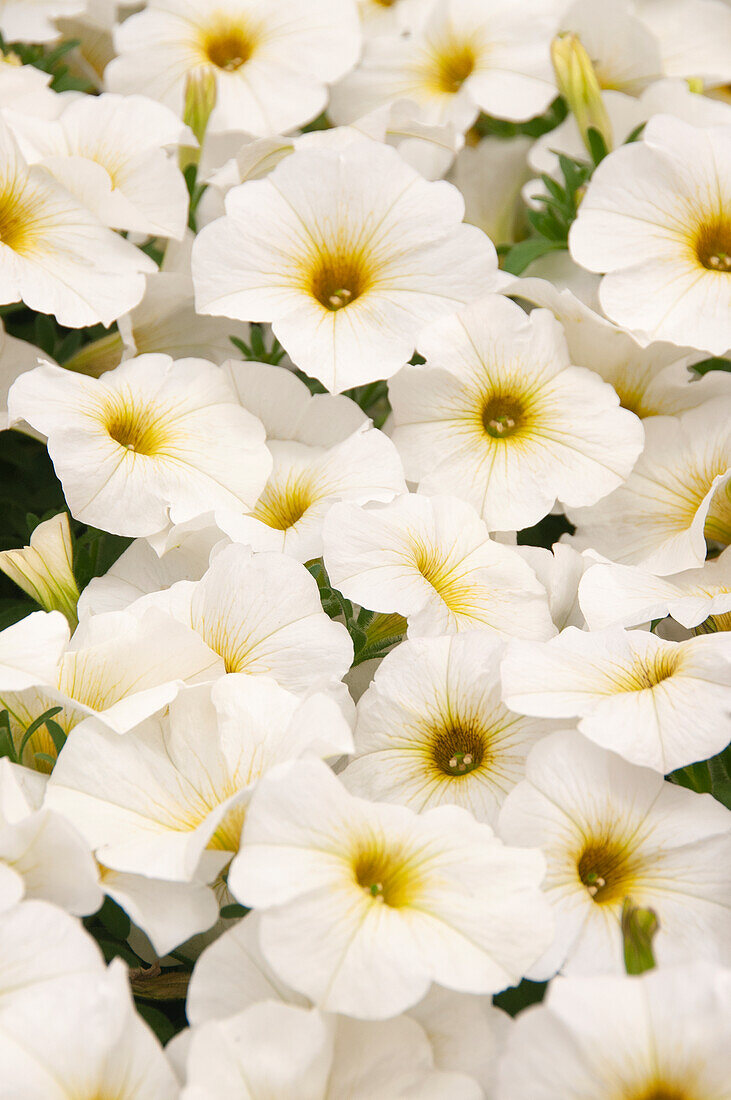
pixel 227 836
pixel 450 63
pixel 445 577
pixel 607 868
pixel 20 225
pixel 229 44
pixel 339 277
pixel 134 426
pixel 713 245
pixel 503 416
pixel 459 749
pixel 660 1091
pixel 649 671
pixel 718 521
pixel 281 506
pixel 387 873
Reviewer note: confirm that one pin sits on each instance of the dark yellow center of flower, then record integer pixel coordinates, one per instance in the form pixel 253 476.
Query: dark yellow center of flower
pixel 229 45
pixel 458 750
pixel 713 245
pixel 660 1092
pixel 387 874
pixel 338 279
pixel 18 221
pixel 134 427
pixel 607 870
pixel 453 62
pixel 502 416
pixel 649 671
pixel 281 506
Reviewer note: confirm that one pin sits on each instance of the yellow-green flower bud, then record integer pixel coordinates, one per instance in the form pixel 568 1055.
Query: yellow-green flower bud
pixel 201 92
pixel 578 84
pixel 45 568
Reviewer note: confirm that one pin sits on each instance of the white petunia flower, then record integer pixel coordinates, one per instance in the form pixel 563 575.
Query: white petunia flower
pixel 656 380
pixel 288 410
pixel 261 613
pixel 82 1038
pixel 34 20
pixel 348 252
pixel 119 667
pixel 154 440
pixel 270 59
pixel 31 649
pixel 559 570
pixel 609 831
pixel 109 152
pixel 42 945
pixel 657 703
pixel 432 729
pixel 624 52
pixel 168 913
pixel 694 36
pixel 301 1052
pixel 140 570
pixel 168 799
pixel 464 1030
pixel 654 220
pixel 626 596
pixel 317 462
pixel 41 855
pixel 463 56
pixel 677 497
pixel 55 255
pixel 499 417
pixel 26 88
pixel 16 357
pixel 368 903
pixel 231 974
pixel 490 176
pixel 661 1036
pixel 433 561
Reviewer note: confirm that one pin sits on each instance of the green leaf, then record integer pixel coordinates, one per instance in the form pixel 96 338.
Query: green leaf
pixel 714 363
pixel 114 919
pixel 636 134
pixel 7 745
pixel 36 725
pixel 158 1021
pixel 518 997
pixel 696 777
pixel 639 927
pixel 722 792
pixel 597 145
pixel 523 254
pixel 229 912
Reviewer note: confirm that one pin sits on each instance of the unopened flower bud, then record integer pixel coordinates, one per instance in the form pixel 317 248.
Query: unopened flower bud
pixel 638 931
pixel 45 568
pixel 578 84
pixel 201 92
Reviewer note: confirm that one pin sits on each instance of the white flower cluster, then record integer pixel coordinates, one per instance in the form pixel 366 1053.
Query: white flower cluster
pixel 386 343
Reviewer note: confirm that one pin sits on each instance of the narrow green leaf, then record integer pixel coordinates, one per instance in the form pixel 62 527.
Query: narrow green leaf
pixel 36 725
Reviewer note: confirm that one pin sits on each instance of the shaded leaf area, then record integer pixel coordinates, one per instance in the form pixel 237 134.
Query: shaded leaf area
pixel 159 991
pixel 57 61
pixel 28 481
pixel 487 126
pixel 518 997
pixel 708 777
